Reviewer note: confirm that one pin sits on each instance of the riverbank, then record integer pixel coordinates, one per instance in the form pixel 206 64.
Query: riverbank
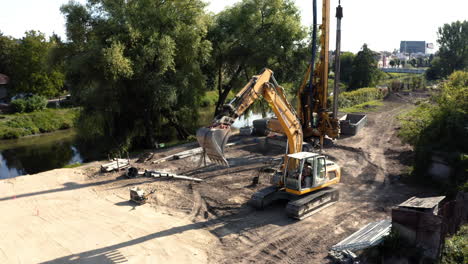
pixel 24 124
pixel 58 217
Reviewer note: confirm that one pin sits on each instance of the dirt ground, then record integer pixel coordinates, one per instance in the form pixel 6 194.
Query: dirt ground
pixel 83 216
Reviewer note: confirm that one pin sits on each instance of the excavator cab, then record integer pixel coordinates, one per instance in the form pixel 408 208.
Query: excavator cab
pixel 313 171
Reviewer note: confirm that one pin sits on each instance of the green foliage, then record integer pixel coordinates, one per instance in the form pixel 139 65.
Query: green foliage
pixel 440 126
pixel 347 59
pixel 364 107
pixel 73 165
pixel 453 51
pixel 18 125
pixel 29 68
pixel 7 46
pixel 19 105
pixel 359 96
pixel 252 35
pixel 364 71
pixel 414 122
pixel 404 81
pixel 211 97
pixel 31 104
pixel 35 103
pixel 456 248
pixel 143 65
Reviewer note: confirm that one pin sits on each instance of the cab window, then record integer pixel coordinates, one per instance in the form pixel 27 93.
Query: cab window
pixel 321 168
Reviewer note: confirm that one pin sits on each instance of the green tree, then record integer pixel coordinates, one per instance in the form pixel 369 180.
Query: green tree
pixel 136 66
pixel 392 63
pixel 7 46
pixel 453 51
pixel 435 70
pixel 365 72
pixel 255 34
pixel 347 59
pixel 420 62
pixel 31 71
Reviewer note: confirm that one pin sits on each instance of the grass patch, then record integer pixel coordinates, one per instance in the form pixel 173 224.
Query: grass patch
pixel 359 96
pixel 73 165
pixel 364 107
pixel 211 97
pixel 24 124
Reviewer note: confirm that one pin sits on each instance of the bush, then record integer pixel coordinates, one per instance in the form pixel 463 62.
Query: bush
pixel 18 125
pixel 359 96
pixel 36 103
pixel 440 127
pixel 456 248
pixel 31 104
pixel 19 105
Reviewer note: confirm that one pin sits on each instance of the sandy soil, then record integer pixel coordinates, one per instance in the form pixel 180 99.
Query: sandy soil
pixel 60 217
pixel 90 220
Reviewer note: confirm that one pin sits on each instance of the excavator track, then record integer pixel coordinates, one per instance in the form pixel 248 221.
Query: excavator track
pixel 312 203
pixel 266 196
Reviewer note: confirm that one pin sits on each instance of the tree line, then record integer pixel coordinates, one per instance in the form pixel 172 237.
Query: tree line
pixel 28 64
pixel 139 69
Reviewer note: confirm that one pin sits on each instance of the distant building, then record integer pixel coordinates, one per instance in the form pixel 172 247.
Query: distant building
pixel 412 47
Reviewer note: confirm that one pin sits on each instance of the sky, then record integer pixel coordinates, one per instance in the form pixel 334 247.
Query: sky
pixel 382 24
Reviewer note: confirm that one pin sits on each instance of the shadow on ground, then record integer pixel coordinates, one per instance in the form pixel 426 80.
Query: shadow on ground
pixel 247 218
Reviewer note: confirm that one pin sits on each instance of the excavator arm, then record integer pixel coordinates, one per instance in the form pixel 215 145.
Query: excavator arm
pixel 214 137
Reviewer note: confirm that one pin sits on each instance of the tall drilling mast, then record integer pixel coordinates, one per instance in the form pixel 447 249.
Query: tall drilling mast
pixel 313 93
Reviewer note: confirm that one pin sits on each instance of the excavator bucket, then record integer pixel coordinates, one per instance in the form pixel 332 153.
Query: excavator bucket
pixel 213 140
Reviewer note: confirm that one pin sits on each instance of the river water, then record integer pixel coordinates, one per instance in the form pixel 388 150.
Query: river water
pixel 35 154
pixel 30 155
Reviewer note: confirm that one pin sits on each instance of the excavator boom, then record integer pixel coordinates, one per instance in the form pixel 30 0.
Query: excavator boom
pixel 214 137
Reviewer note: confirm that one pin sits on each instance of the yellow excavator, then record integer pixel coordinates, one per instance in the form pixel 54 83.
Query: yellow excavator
pixel 305 178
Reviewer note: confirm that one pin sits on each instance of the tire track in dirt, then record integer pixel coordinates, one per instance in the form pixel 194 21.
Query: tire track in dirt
pixel 289 244
pixel 310 240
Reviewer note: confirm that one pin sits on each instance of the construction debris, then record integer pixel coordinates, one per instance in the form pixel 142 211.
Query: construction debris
pixel 180 155
pixel 184 154
pixel 370 235
pixel 140 196
pixel 425 205
pixel 116 164
pixel 162 174
pixel 145 157
pixel 133 173
pixel 344 257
